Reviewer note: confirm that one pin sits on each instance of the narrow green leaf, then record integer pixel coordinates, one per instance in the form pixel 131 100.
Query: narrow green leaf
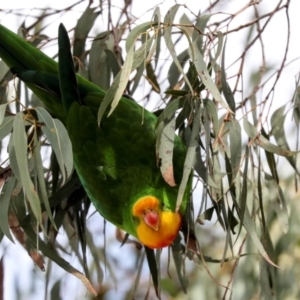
pixel 98 67
pixel 55 290
pixel 263 142
pixel 135 33
pixel 153 270
pixel 177 93
pixel 152 78
pixel 141 53
pixel 184 20
pixel 124 77
pixel 2 111
pixel 112 62
pixel 158 33
pixel 190 156
pixel 225 86
pixel 179 263
pixel 174 72
pixel 137 78
pixel 235 138
pixel 199 30
pixel 277 123
pixel 59 140
pixel 278 202
pixel 242 204
pixel 201 68
pixel 52 254
pixel 6 192
pixel 211 111
pixel 170 109
pixel 38 166
pixel 219 48
pixel 4 69
pixel 249 226
pixel 169 18
pixel 20 147
pixel 138 58
pixel 65 146
pixel 82 28
pixel 138 275
pixel 6 127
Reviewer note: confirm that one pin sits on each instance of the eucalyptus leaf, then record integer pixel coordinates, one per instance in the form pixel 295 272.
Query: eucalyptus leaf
pixel 59 140
pixel 190 156
pixel 277 123
pixel 200 65
pixel 263 142
pixel 165 152
pixel 169 18
pixel 20 148
pixel 5 197
pixel 138 58
pixel 82 28
pixel 6 126
pixel 38 164
pixel 199 30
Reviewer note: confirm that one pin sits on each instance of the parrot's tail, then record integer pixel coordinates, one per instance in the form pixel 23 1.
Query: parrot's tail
pixel 18 53
pixel 55 84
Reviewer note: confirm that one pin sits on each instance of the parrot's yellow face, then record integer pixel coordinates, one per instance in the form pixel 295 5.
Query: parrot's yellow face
pixel 156 228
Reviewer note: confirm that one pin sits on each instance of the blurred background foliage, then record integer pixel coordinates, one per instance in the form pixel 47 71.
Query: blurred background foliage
pixel 234 99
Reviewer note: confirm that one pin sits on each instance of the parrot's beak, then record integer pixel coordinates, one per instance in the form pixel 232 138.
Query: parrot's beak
pixel 151 218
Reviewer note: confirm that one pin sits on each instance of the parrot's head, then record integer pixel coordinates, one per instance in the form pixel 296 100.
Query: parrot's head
pixel 157 227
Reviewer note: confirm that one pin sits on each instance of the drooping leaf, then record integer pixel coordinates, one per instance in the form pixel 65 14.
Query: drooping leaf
pixel 18 149
pixel 82 28
pixel 153 270
pixel 190 156
pixel 157 45
pixel 170 109
pixel 6 126
pixel 50 253
pixel 199 30
pixel 39 170
pixel 5 197
pixel 152 78
pixel 138 58
pixel 169 18
pixel 179 263
pixel 59 140
pixel 200 65
pixel 278 202
pixel 98 67
pixel 174 72
pixel 2 111
pixel 219 49
pixel 263 142
pixel 165 152
pixel 277 123
pixel 225 86
pixel 235 137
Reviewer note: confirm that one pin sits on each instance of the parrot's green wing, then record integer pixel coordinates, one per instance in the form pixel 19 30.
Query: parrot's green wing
pixel 116 162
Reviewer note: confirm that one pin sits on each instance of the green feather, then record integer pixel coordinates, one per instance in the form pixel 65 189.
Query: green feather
pixel 116 162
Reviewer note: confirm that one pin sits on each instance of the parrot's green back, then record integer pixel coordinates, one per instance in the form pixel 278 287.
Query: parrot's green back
pixel 116 162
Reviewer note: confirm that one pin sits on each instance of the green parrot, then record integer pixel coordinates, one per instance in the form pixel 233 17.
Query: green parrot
pixel 116 161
